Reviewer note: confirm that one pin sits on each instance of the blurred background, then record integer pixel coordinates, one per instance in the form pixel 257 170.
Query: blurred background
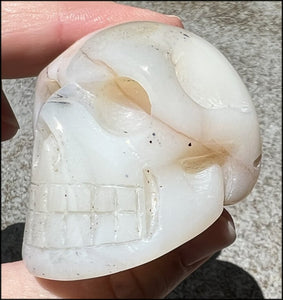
pixel 248 33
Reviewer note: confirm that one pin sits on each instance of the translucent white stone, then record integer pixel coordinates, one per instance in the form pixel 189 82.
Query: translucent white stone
pixel 143 132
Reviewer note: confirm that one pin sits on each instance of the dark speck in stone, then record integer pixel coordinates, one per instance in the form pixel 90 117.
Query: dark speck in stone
pixel 61 102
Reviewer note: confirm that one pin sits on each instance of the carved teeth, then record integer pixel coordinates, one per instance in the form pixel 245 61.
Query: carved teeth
pixel 83 215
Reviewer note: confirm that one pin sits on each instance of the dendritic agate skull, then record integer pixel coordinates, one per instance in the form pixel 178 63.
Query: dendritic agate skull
pixel 143 132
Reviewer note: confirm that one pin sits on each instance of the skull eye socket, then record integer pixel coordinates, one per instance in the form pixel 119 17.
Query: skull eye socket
pixel 134 92
pixel 121 105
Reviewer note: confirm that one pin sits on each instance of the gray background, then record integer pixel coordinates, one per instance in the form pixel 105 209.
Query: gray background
pixel 249 35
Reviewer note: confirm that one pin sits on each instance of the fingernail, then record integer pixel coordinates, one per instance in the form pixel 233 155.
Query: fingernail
pixel 177 21
pixel 173 16
pixel 9 124
pixel 230 223
pixel 219 235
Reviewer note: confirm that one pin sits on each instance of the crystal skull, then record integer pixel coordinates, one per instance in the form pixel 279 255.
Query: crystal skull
pixel 142 133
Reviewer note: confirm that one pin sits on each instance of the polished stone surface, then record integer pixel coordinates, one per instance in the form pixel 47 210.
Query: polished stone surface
pixel 249 35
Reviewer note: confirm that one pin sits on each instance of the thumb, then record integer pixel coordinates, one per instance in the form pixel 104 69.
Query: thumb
pixel 9 124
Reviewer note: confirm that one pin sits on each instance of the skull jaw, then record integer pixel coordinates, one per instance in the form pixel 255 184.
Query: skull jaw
pixel 181 212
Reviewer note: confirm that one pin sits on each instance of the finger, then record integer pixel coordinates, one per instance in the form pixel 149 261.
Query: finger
pixel 154 279
pixel 9 124
pixel 18 283
pixel 34 33
pixel 159 277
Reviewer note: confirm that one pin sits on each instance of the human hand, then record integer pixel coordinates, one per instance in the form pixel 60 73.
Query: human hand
pixel 33 34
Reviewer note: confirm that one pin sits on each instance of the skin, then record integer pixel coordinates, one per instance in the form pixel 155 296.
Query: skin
pixel 33 34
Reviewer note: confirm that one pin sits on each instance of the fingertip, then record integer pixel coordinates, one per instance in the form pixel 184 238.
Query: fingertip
pixel 175 21
pixel 228 227
pixel 132 13
pixel 218 236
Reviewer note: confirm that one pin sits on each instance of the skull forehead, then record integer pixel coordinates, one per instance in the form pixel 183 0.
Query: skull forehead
pixel 202 101
pixel 184 76
pixel 137 33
